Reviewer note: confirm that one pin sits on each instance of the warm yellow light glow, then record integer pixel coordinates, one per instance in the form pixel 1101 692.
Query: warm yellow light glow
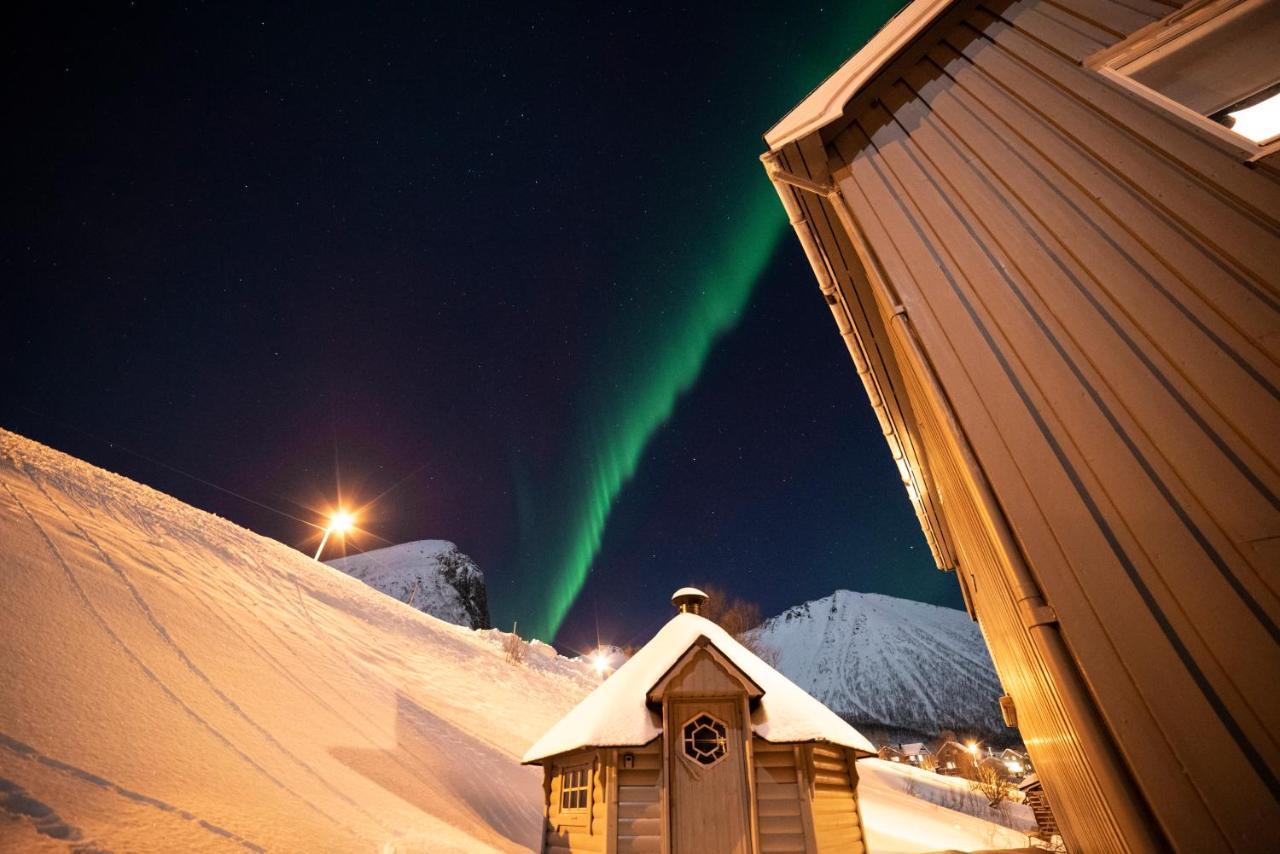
pixel 1261 122
pixel 341 522
pixel 600 661
pixel 972 747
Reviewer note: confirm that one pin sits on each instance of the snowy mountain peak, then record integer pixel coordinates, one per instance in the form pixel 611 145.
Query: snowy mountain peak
pixel 883 662
pixel 432 576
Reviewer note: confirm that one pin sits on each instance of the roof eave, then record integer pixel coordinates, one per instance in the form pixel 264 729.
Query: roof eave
pixel 551 756
pixel 826 104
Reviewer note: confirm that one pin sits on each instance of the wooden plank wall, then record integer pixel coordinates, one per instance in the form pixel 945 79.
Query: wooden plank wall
pixel 778 798
pixel 563 834
pixel 837 823
pixel 1096 286
pixel 640 801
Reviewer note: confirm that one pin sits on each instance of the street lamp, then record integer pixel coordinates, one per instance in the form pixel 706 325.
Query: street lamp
pixel 339 523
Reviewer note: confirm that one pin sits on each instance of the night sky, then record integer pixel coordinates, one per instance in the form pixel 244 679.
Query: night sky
pixel 517 271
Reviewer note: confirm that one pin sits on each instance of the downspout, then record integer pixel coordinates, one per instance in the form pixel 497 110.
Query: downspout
pixel 1135 824
pixel 826 281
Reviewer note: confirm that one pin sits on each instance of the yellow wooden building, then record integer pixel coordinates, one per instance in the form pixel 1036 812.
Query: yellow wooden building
pixel 1049 234
pixel 696 746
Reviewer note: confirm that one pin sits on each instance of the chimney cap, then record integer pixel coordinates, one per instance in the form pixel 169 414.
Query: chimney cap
pixel 689 599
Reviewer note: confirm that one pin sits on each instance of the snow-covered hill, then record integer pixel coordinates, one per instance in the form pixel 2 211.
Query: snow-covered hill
pixel 879 661
pixel 429 575
pixel 172 682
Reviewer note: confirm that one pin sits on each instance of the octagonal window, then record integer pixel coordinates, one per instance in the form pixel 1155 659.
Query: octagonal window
pixel 706 739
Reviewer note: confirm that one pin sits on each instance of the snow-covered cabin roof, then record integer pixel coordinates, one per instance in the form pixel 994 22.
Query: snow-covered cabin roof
pixel 826 104
pixel 617 713
pixel 915 748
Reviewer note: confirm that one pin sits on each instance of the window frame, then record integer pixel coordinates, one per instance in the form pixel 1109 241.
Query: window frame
pixel 687 741
pixel 568 773
pixel 1107 61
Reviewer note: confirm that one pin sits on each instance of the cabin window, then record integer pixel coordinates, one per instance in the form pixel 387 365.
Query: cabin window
pixel 575 788
pixel 1213 59
pixel 706 739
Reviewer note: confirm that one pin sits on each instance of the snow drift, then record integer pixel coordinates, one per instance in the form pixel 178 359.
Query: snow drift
pixel 879 661
pixel 432 576
pixel 172 682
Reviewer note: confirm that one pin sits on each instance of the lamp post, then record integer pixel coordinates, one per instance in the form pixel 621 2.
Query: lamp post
pixel 339 523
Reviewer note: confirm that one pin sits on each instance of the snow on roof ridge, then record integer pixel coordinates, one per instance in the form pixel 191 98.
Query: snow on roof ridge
pixel 617 714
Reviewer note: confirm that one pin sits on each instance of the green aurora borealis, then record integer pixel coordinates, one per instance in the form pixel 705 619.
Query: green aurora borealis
pixel 658 349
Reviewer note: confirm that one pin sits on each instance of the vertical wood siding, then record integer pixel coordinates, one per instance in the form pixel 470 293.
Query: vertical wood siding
pixel 1095 286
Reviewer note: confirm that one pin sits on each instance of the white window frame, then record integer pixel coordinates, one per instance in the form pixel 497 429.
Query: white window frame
pixel 1105 62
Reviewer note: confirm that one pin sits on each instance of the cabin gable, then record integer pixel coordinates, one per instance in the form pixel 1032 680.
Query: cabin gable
pixel 703 671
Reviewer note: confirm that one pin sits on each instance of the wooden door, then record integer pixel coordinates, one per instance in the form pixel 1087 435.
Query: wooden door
pixel 708 774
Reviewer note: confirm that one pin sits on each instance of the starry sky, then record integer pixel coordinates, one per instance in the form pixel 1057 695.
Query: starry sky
pixel 512 274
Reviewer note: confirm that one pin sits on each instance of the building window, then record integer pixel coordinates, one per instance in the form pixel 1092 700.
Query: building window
pixel 575 788
pixel 706 740
pixel 1212 59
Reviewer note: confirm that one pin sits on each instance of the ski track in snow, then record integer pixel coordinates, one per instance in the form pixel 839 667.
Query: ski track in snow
pixel 170 681
pixel 150 674
pixel 191 665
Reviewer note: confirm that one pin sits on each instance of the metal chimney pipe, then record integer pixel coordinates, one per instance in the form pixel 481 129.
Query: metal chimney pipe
pixel 688 600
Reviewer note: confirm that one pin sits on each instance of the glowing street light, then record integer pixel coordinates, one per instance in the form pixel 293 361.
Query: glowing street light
pixel 600 661
pixel 339 523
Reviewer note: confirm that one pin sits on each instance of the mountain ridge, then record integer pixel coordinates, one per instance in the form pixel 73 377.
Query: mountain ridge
pixel 902 667
pixel 432 576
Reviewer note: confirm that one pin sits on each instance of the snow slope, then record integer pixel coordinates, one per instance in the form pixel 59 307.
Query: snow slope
pixel 877 659
pixel 172 682
pixel 431 575
pixel 906 810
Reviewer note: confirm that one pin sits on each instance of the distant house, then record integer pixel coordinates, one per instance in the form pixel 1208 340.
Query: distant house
pixel 1016 763
pixel 1033 794
pixel 918 754
pixel 889 753
pixel 696 744
pixel 955 760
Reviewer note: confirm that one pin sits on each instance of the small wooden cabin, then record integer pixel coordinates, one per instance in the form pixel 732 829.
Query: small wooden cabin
pixel 889 753
pixel 953 759
pixel 1048 232
pixel 696 746
pixel 1033 796
pixel 919 755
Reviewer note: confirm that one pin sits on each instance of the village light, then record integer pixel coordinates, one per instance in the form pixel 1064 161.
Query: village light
pixel 340 523
pixel 600 662
pixel 972 747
